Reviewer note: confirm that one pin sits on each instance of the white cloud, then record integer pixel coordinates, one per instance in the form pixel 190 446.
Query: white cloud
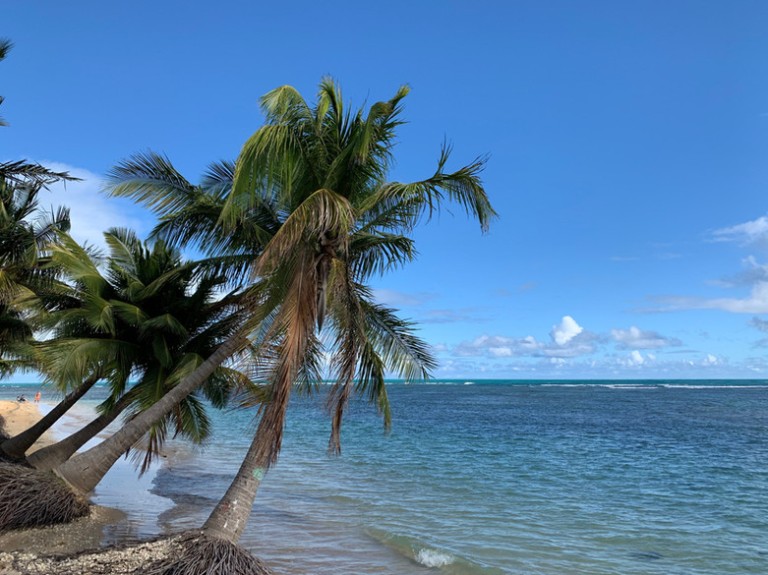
pixel 636 338
pixel 568 340
pixel 93 212
pixel 496 346
pixel 755 231
pixel 566 331
pixel 756 302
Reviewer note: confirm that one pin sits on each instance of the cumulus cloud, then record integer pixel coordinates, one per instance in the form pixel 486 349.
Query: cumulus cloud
pixel 753 272
pixel 568 340
pixel 636 338
pixel 497 346
pixel 566 330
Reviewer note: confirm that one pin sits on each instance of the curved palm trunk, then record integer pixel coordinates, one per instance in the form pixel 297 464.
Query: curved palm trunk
pixel 18 445
pixel 49 457
pixel 84 471
pixel 230 516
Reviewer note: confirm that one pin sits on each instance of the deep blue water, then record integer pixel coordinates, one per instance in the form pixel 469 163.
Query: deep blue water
pixel 624 478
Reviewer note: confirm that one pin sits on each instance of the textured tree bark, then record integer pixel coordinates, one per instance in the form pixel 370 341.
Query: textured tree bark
pixel 84 471
pixel 18 445
pixel 230 516
pixel 49 457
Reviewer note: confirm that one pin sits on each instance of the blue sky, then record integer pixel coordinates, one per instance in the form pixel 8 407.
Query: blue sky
pixel 627 143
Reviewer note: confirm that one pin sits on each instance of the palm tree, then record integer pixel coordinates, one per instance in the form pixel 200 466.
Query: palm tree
pixel 150 318
pixel 21 242
pixel 189 215
pixel 15 447
pixel 48 457
pixel 342 222
pixel 322 173
pixel 25 278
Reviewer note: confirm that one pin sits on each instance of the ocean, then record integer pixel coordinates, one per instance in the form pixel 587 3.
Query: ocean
pixel 489 477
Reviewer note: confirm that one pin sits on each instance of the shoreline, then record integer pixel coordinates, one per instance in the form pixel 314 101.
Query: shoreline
pixel 19 416
pixel 111 523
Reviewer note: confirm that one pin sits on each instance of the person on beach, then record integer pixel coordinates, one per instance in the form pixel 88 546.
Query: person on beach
pixel 38 395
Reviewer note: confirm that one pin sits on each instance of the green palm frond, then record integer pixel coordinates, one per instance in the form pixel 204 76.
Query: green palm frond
pixel 129 313
pixel 150 179
pixel 218 178
pixel 24 172
pixel 379 253
pixel 68 254
pixel 123 246
pixel 424 197
pixel 166 324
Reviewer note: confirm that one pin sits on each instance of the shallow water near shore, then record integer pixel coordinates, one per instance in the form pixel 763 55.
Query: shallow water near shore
pixel 630 478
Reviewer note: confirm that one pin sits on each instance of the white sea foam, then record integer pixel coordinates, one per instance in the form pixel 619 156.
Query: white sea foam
pixel 629 386
pixel 685 386
pixel 651 385
pixel 433 558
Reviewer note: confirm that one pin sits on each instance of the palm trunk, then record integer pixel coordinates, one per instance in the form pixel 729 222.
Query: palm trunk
pixel 49 457
pixel 230 516
pixel 18 445
pixel 84 471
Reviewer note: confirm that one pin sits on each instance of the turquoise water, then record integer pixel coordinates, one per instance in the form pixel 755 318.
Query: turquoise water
pixel 629 478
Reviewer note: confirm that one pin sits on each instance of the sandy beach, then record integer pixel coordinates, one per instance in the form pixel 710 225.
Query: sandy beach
pixel 19 547
pixel 75 548
pixel 18 416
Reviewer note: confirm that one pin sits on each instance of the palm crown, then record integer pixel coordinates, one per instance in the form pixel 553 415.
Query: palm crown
pixel 325 172
pixel 24 277
pixel 148 317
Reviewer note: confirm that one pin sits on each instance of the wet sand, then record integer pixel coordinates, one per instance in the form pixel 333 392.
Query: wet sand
pixel 98 544
pixel 82 534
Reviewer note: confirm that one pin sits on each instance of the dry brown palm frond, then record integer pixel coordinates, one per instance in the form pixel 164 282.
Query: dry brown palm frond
pixel 205 555
pixel 29 497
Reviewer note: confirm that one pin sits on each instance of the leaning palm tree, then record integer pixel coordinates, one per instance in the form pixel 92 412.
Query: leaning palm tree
pixel 323 173
pixel 147 317
pixel 150 318
pixel 342 222
pixel 189 215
